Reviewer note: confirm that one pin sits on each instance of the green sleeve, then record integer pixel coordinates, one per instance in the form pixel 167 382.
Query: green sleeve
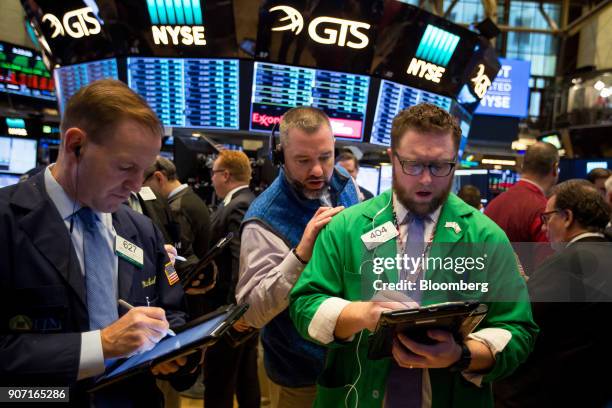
pixel 321 279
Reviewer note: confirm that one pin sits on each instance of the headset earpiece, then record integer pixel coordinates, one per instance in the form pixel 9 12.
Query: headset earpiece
pixel 277 155
pixel 77 152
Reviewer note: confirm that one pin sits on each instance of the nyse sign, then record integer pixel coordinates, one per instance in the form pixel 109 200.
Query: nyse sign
pixel 186 35
pixel 326 30
pixel 498 95
pixel 427 70
pixel 76 24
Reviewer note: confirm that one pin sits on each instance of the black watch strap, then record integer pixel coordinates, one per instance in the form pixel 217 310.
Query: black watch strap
pixel 303 262
pixel 464 360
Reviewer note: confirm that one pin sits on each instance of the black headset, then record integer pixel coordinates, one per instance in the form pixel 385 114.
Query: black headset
pixel 277 156
pixel 77 151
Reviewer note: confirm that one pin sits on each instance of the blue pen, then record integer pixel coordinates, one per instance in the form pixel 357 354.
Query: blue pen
pixel 125 304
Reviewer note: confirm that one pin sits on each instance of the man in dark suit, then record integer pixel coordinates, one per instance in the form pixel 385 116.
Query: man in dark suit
pixel 571 294
pixel 187 207
pixel 230 370
pixel 71 249
pixel 148 202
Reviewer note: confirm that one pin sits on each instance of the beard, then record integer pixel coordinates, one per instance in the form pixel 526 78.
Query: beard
pixel 306 192
pixel 420 209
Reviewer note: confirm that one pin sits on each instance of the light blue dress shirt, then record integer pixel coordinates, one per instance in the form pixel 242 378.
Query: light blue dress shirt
pixel 91 361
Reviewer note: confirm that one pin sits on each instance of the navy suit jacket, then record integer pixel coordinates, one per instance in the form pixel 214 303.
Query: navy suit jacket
pixel 43 308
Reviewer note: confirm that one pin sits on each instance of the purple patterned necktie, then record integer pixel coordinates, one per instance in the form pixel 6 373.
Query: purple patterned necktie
pixel 404 385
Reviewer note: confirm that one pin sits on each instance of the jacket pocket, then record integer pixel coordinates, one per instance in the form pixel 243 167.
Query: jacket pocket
pixel 41 309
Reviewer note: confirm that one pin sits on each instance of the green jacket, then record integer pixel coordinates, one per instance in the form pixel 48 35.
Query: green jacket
pixel 341 267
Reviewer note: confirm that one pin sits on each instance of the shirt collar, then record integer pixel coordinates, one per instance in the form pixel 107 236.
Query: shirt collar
pixel 230 195
pixel 533 183
pixel 177 190
pixel 585 235
pixel 401 211
pixel 64 204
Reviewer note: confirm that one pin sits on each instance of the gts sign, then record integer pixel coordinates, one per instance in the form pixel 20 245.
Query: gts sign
pixel 76 23
pixel 325 30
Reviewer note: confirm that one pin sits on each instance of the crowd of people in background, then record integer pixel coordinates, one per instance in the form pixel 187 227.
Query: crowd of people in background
pixel 294 259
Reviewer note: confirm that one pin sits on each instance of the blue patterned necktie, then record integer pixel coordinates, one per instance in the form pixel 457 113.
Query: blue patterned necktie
pixel 98 260
pixel 404 385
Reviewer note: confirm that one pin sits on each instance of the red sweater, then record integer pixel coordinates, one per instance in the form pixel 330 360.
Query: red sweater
pixel 517 211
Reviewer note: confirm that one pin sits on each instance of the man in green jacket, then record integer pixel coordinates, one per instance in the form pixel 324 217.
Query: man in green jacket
pixel 340 295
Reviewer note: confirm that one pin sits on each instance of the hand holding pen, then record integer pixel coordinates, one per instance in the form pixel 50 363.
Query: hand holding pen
pixel 139 330
pixel 128 306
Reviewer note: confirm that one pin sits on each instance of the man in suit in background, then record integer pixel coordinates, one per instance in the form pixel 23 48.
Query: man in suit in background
pixel 349 162
pixel 598 177
pixel 517 211
pixel 187 207
pixel 63 266
pixel 571 294
pixel 230 370
pixel 147 202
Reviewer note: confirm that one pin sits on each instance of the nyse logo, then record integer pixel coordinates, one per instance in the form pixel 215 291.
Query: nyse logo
pixel 325 30
pixel 433 54
pixel 178 35
pixel 176 23
pixel 76 24
pixel 427 70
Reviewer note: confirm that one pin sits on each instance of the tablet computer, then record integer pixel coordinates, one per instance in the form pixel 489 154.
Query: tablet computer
pixel 459 318
pixel 196 334
pixel 199 272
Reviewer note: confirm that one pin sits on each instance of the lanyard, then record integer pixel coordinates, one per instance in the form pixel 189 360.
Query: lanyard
pixel 401 244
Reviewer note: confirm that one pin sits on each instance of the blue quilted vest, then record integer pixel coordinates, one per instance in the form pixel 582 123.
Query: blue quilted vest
pixel 290 360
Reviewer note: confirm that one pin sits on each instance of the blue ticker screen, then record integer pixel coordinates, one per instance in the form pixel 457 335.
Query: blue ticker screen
pixel 278 88
pixel 195 93
pixel 71 78
pixel 393 98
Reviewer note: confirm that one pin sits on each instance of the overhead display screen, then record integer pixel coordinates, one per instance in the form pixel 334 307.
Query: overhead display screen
pixel 195 93
pixel 75 31
pixel 17 155
pixel 509 93
pixel 23 72
pixel 73 77
pixel 387 38
pixel 393 98
pixel 277 88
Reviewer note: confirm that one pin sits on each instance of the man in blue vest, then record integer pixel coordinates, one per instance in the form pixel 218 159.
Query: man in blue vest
pixel 278 234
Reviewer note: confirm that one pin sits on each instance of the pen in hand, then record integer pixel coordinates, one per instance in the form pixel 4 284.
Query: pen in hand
pixel 128 306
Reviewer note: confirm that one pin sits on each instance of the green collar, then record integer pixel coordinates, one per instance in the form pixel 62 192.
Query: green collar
pixel 452 223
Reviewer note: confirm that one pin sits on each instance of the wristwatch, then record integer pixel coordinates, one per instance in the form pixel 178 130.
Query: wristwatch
pixel 464 360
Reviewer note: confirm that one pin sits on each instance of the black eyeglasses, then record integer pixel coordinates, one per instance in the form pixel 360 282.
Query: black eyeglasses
pixel 217 171
pixel 545 217
pixel 415 168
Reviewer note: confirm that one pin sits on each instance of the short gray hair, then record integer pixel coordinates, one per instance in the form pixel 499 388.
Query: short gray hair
pixel 305 118
pixel 540 159
pixel 590 209
pixel 163 165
